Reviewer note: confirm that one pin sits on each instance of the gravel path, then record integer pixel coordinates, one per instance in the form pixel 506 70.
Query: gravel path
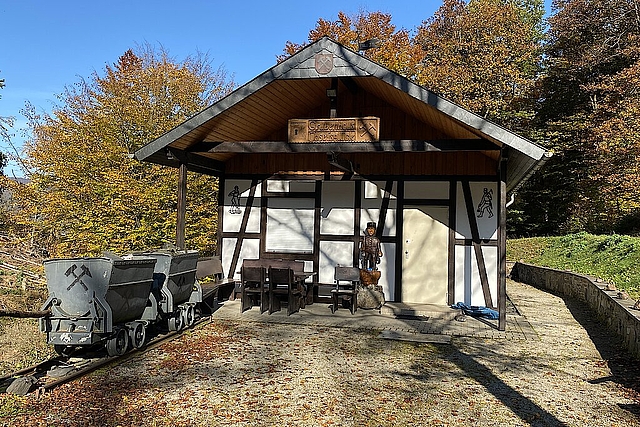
pixel 262 374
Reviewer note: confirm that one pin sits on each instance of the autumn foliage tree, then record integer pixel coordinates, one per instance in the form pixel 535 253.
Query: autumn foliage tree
pixel 86 194
pixel 5 123
pixel 615 123
pixel 484 55
pixel 395 49
pixel 589 113
pixel 616 138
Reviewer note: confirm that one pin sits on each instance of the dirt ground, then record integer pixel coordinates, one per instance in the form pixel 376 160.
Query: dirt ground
pixel 263 374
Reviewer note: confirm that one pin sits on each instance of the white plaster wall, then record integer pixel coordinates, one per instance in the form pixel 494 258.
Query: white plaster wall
pixel 282 186
pixel 372 203
pixel 373 214
pixel 333 254
pixel 468 284
pixel 375 190
pixel 231 222
pixel 277 186
pixel 250 250
pixel 337 213
pixel 302 186
pixel 426 190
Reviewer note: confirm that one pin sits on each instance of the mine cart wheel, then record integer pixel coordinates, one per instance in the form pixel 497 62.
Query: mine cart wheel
pixel 138 335
pixel 175 322
pixel 117 346
pixel 63 350
pixel 188 316
pixel 191 311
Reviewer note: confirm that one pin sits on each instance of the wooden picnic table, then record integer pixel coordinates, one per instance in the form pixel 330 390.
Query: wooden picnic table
pixel 300 276
pixel 298 272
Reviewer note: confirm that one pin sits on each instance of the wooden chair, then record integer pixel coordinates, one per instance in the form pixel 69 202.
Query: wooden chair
pixel 253 284
pixel 283 283
pixel 346 288
pixel 297 267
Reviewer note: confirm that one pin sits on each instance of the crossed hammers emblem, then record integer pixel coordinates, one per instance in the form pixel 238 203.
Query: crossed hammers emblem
pixel 367 129
pixel 78 278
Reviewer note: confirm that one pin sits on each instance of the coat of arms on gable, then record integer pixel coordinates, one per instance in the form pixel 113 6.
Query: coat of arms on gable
pixel 323 63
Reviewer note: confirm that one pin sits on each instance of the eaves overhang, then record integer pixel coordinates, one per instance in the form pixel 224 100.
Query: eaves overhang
pixel 276 95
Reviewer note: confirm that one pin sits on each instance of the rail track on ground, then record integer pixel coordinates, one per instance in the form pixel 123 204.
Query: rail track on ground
pixel 51 373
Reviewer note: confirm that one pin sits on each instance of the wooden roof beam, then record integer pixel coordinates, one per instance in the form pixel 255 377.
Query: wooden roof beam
pixel 345 147
pixel 197 163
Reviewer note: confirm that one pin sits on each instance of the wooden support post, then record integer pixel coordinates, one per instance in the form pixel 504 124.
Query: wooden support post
pixel 502 246
pixel 333 111
pixel 182 206
pixel 451 256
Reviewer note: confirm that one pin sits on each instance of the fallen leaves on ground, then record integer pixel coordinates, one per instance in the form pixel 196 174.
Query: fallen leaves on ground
pixel 254 374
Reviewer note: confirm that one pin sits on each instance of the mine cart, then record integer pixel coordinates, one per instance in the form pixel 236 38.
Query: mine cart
pixel 94 300
pixel 176 293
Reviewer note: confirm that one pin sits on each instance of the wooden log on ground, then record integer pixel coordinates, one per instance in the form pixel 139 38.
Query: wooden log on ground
pixel 24 314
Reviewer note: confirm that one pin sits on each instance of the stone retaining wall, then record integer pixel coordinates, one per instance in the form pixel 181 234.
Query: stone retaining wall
pixel 618 314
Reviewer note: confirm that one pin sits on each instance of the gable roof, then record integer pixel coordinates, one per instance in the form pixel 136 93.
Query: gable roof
pixel 249 113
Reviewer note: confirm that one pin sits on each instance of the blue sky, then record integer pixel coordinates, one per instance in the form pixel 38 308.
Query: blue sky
pixel 47 45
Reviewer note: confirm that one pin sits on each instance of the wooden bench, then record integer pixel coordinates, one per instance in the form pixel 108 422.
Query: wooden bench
pixel 220 288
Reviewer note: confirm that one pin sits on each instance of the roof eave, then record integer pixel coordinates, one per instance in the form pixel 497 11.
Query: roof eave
pixel 295 68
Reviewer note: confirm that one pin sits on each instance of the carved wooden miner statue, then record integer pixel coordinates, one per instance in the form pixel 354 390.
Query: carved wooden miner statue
pixel 370 249
pixel 370 294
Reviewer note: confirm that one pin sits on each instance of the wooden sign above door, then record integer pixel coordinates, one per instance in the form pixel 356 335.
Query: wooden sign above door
pixel 352 129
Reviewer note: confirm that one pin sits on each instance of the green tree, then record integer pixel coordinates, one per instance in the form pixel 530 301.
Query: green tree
pixel 86 194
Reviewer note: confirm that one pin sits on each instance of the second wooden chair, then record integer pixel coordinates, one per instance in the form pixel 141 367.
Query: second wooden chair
pixel 253 286
pixel 282 283
pixel 346 288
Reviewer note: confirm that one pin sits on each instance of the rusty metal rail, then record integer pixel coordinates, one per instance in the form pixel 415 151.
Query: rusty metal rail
pixel 42 377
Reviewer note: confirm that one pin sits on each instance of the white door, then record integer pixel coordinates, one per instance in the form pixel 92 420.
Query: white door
pixel 425 233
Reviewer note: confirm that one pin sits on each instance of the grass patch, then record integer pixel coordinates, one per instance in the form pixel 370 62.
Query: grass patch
pixel 613 258
pixel 12 406
pixel 22 344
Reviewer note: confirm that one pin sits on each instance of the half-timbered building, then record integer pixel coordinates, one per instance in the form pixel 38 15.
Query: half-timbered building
pixel 313 149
